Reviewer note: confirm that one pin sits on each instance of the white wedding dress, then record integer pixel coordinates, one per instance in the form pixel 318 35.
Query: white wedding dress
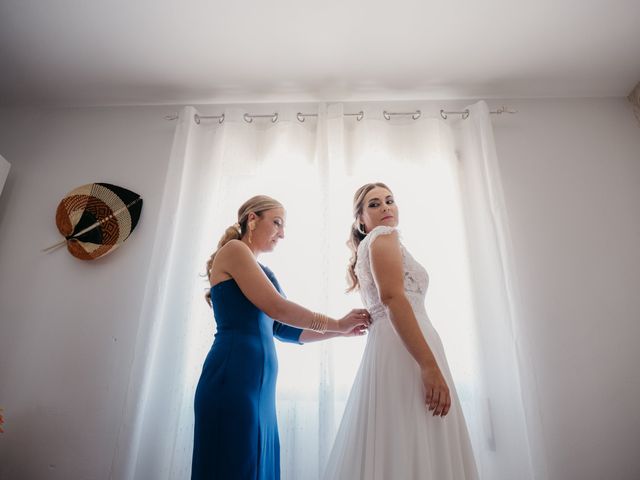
pixel 387 432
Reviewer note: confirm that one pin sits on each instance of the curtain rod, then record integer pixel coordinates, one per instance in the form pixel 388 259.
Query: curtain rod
pixel 415 115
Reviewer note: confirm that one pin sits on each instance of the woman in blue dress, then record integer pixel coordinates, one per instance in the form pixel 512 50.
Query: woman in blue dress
pixel 236 430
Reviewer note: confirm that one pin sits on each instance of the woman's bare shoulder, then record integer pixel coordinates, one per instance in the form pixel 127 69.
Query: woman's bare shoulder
pixel 231 253
pixel 233 248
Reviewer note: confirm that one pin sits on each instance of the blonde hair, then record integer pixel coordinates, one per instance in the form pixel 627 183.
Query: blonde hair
pixel 257 205
pixel 357 233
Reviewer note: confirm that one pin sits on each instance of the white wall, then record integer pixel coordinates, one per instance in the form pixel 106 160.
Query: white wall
pixel 571 174
pixel 68 327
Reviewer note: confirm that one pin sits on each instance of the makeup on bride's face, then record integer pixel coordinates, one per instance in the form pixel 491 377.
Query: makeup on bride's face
pixel 379 209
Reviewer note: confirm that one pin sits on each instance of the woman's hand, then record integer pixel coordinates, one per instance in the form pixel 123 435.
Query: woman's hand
pixel 438 397
pixel 356 331
pixel 353 321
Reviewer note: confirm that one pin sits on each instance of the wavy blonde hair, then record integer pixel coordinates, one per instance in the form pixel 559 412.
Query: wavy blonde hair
pixel 357 233
pixel 257 205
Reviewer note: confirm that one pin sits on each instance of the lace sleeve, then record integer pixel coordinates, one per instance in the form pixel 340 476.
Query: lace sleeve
pixel 379 230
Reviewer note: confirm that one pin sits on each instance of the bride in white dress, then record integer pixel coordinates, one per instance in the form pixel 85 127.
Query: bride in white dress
pixel 403 420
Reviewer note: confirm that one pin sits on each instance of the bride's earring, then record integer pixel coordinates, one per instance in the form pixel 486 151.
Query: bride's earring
pixel 361 228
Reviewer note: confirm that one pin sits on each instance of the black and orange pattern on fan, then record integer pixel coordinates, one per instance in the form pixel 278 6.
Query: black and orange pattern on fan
pixel 97 218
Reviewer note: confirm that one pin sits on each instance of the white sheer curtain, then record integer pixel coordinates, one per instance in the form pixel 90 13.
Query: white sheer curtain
pixel 505 393
pixel 314 167
pixel 4 171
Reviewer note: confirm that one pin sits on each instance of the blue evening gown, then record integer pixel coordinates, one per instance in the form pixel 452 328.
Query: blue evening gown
pixel 236 430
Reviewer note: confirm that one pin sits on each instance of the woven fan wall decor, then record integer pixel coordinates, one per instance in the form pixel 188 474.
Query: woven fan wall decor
pixel 96 218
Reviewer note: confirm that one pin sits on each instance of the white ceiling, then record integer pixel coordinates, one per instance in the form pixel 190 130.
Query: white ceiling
pixel 74 52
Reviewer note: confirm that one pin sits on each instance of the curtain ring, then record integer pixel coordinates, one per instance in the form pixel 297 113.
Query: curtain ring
pixel 386 115
pixel 300 117
pixel 465 114
pixel 416 115
pixel 247 118
pixel 360 115
pixel 274 119
pixel 221 119
pixel 196 118
pixel 443 114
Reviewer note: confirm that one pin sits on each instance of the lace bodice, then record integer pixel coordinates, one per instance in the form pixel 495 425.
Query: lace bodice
pixel 416 279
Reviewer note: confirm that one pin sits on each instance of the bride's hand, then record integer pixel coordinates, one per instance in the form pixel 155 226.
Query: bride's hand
pixel 358 317
pixel 438 397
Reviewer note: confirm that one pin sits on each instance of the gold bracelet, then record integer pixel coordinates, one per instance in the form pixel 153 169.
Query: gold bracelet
pixel 319 323
pixel 324 323
pixel 315 322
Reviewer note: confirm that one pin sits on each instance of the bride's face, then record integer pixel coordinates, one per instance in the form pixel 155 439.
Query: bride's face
pixel 379 208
